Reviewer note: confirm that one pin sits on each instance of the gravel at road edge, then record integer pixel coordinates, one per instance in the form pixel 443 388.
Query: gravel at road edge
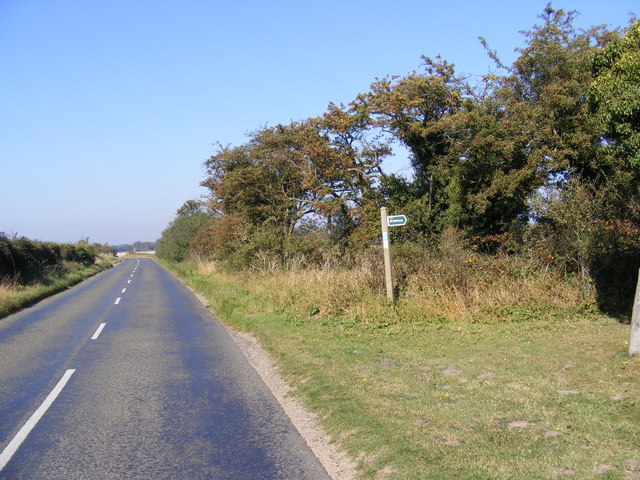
pixel 337 464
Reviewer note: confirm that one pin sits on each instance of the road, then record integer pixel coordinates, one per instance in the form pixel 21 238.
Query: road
pixel 128 376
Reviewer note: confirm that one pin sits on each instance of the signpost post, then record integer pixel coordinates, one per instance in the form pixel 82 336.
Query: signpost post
pixel 634 339
pixel 389 221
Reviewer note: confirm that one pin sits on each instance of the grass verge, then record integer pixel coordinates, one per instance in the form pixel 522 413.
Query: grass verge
pixel 542 397
pixel 14 296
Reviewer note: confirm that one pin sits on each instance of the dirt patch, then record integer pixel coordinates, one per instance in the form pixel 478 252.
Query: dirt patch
pixel 601 469
pixel 451 371
pixel 568 473
pixel 386 364
pixel 568 392
pixel 632 465
pixel 519 424
pixel 385 472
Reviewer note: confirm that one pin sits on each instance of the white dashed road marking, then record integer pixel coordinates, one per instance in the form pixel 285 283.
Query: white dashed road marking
pixel 98 331
pixel 13 446
pixel 22 434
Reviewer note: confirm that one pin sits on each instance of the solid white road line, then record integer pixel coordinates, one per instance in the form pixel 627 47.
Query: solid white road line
pixel 117 300
pixel 98 331
pixel 13 446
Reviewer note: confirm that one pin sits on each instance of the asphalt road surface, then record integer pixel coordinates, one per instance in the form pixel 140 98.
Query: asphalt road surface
pixel 128 376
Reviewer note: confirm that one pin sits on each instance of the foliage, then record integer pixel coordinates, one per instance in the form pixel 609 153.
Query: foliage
pixel 548 86
pixel 615 93
pixel 82 252
pixel 413 109
pixel 26 261
pixel 292 179
pixel 14 295
pixel 479 154
pixel 535 159
pixel 176 239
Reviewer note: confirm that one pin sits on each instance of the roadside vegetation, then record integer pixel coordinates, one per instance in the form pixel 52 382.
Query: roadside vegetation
pixel 540 161
pixel 505 354
pixel 534 390
pixel 31 270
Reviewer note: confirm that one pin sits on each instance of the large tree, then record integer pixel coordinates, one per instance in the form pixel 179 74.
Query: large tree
pixel 275 178
pixel 615 94
pixel 321 169
pixel 479 154
pixel 547 90
pixel 414 109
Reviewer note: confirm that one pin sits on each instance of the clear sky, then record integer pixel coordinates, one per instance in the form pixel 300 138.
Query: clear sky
pixel 108 109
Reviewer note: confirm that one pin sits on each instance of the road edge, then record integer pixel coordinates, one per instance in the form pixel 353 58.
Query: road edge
pixel 336 462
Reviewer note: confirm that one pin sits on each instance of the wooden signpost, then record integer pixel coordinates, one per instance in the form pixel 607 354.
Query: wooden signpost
pixel 389 221
pixel 634 339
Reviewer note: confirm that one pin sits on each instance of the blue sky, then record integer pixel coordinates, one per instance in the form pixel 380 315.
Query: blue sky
pixel 108 109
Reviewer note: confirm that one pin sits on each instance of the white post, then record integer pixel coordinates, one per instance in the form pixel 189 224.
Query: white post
pixel 387 255
pixel 634 339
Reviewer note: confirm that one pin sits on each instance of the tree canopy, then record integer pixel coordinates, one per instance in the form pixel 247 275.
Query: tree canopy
pixel 507 162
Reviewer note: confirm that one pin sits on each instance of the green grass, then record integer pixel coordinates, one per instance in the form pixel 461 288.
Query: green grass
pixel 539 398
pixel 14 296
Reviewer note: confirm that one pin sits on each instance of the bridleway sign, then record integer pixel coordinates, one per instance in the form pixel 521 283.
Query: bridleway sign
pixel 396 220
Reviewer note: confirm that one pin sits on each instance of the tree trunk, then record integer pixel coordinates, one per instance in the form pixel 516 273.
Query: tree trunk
pixel 430 192
pixel 634 340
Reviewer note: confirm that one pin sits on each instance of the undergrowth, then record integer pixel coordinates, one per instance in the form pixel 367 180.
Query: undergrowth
pixel 459 286
pixel 14 295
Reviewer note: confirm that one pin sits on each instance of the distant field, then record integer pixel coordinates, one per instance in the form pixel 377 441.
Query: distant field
pixel 536 398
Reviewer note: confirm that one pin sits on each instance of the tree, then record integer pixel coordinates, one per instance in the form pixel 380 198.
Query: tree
pixel 614 95
pixel 472 171
pixel 356 170
pixel 412 109
pixel 531 128
pixel 176 239
pixel 271 179
pixel 547 91
pixel 317 172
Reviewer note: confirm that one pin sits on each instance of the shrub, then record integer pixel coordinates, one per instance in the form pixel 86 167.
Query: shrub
pixel 26 261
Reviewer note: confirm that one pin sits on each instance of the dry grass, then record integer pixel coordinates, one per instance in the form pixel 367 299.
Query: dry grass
pixel 463 287
pixel 8 291
pixel 526 393
pixel 14 296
